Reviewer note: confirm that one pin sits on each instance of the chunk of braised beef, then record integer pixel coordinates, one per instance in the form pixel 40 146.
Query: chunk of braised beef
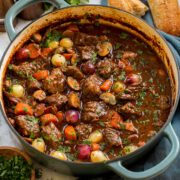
pixel 83 131
pixel 33 85
pixel 51 134
pixel 13 99
pixel 83 39
pixel 127 97
pixel 56 100
pixel 91 87
pixel 129 109
pixel 55 82
pixel 74 72
pixel 163 102
pixel 112 137
pixel 39 109
pixel 27 125
pixel 86 52
pixel 93 111
pixel 106 67
pixel 27 69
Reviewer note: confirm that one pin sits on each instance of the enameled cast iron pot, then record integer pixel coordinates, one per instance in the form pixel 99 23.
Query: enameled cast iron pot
pixel 113 17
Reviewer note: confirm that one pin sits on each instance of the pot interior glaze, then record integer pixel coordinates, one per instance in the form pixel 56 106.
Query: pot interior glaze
pixel 106 15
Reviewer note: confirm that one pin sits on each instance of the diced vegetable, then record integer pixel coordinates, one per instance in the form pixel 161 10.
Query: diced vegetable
pixel 39 144
pixel 118 87
pixel 95 146
pixel 84 151
pixel 68 56
pixel 129 69
pixel 73 83
pixel 59 50
pixel 22 54
pixel 74 59
pixel 98 156
pixel 104 49
pixel 130 148
pixel 46 51
pixel 96 137
pixel 53 44
pixel 72 116
pixel 108 98
pixel 34 50
pixel 66 43
pixel 73 100
pixel 60 116
pixel 41 74
pixel 116 120
pixel 133 79
pixel 58 155
pixel 73 27
pixel 47 118
pixel 141 143
pixel 128 126
pixel 106 85
pixel 58 60
pixel 23 109
pixel 17 90
pixel 70 133
pixel 36 37
pixel 88 68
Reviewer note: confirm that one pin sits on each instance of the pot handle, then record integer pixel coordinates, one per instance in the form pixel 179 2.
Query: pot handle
pixel 19 6
pixel 169 133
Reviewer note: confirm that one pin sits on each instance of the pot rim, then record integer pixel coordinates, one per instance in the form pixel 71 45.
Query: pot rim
pixel 128 156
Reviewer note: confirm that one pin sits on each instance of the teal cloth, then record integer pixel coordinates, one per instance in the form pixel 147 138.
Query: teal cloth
pixel 162 149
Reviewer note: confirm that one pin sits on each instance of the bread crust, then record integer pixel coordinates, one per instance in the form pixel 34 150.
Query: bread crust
pixel 166 15
pixel 133 6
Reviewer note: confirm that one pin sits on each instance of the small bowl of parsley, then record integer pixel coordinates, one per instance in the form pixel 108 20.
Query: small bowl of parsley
pixel 15 165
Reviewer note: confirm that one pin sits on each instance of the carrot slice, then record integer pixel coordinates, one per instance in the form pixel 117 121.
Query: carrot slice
pixel 60 116
pixel 106 85
pixel 104 48
pixel 41 74
pixel 73 27
pixel 70 133
pixel 23 109
pixel 116 120
pixel 141 143
pixel 47 118
pixel 129 127
pixel 46 51
pixel 68 56
pixel 34 50
pixel 95 146
pixel 129 69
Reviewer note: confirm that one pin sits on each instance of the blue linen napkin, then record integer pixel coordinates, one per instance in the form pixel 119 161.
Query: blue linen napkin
pixel 162 149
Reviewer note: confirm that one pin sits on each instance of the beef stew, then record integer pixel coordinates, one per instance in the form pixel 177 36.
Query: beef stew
pixel 87 92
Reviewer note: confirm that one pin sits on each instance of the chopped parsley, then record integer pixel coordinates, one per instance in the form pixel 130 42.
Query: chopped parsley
pixel 122 76
pixel 123 35
pixel 94 56
pixel 118 45
pixel 119 55
pixel 15 168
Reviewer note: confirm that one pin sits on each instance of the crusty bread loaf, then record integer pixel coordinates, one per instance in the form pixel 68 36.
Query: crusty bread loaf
pixel 133 6
pixel 166 15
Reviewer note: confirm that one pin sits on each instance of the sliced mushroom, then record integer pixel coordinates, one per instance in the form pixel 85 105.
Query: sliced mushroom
pixel 73 100
pixel 108 98
pixel 73 83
